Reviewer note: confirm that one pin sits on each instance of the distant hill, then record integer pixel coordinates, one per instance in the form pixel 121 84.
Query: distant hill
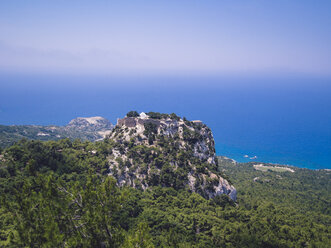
pixel 85 128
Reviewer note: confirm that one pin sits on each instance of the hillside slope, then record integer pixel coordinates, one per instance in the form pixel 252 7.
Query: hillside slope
pixel 302 189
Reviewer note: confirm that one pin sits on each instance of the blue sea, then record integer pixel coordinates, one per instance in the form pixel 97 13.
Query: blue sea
pixel 278 119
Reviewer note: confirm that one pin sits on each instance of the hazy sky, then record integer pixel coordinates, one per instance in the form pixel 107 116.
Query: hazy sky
pixel 167 37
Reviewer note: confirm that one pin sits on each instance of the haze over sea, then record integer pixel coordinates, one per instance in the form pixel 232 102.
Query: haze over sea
pixel 285 120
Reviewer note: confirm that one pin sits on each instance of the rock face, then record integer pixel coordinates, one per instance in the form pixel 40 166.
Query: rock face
pixel 161 149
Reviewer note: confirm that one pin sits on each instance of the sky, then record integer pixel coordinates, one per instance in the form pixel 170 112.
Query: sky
pixel 210 37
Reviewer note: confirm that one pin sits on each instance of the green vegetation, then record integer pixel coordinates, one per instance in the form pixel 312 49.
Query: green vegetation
pixel 150 128
pixel 132 114
pixel 58 194
pixel 304 191
pixel 11 134
pixel 157 115
pixel 173 116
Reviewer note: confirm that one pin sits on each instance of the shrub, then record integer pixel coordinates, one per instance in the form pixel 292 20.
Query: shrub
pixel 174 117
pixel 150 128
pixel 157 115
pixel 154 115
pixel 132 114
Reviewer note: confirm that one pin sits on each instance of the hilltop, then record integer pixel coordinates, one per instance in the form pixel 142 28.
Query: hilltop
pixel 163 149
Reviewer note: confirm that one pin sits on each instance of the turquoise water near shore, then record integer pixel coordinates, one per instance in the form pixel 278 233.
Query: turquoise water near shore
pixel 285 120
pixel 290 158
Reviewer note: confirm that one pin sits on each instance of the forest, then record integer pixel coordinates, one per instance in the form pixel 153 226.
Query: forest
pixel 59 194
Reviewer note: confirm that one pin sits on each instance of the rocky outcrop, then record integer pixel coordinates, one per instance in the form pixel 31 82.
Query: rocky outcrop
pixel 161 149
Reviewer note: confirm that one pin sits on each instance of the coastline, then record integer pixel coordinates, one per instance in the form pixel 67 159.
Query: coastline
pixel 241 156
